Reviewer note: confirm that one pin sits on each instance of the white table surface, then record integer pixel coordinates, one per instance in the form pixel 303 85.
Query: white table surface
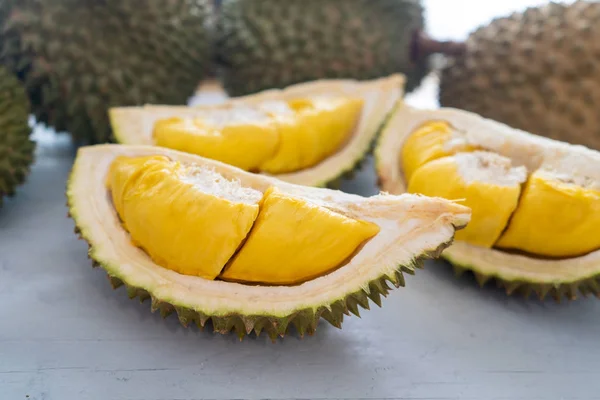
pixel 65 334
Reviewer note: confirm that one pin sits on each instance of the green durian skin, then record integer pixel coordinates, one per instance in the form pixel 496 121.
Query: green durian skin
pixel 77 58
pixel 16 147
pixel 536 70
pixel 264 44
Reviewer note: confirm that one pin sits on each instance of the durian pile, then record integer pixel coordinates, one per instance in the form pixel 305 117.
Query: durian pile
pixel 225 213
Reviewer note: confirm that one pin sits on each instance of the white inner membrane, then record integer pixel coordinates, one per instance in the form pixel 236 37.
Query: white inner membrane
pixel 484 166
pixel 207 180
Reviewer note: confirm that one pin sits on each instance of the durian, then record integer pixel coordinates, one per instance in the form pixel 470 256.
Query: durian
pixel 536 70
pixel 535 201
pixel 264 44
pixel 213 242
pixel 311 133
pixel 79 58
pixel 16 146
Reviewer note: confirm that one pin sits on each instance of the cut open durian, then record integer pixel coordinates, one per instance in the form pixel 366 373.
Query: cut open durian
pixel 311 133
pixel 535 202
pixel 247 251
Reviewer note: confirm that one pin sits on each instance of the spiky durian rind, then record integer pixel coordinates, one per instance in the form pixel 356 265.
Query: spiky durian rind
pixel 534 69
pixel 16 147
pixel 304 320
pixel 526 288
pixel 156 53
pixel 268 43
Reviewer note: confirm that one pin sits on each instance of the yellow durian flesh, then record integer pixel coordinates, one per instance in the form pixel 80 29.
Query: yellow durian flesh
pixel 194 221
pixel 294 241
pixel 315 130
pixel 429 142
pixel 187 219
pixel 556 217
pixel 549 216
pixel 272 136
pixel 487 182
pixel 243 136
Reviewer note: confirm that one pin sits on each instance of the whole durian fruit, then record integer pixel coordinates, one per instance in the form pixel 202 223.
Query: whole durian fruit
pixel 269 43
pixel 537 70
pixel 16 146
pixel 77 58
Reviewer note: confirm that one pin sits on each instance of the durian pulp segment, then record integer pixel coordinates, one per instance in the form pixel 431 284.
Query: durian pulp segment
pixel 551 216
pixel 192 220
pixel 294 240
pixel 556 217
pixel 243 137
pixel 270 136
pixel 487 182
pixel 429 142
pixel 311 130
pixel 188 220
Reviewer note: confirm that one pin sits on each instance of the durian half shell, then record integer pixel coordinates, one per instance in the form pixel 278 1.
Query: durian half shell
pixel 412 228
pixel 516 273
pixel 133 125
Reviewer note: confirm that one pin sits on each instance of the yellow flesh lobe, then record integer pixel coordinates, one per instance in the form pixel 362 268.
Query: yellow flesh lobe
pixel 274 136
pixel 492 204
pixel 554 219
pixel 314 130
pixel 245 141
pixel 179 225
pixel 427 143
pixel 294 241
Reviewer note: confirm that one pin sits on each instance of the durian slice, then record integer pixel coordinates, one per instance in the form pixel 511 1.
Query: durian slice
pixel 135 125
pixel 520 269
pixel 410 227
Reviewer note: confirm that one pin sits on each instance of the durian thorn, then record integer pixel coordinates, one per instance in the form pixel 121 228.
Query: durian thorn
pixel 423 46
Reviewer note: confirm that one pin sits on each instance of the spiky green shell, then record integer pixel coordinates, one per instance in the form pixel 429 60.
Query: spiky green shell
pixel 536 70
pixel 558 290
pixel 78 58
pixel 16 146
pixel 304 321
pixel 263 44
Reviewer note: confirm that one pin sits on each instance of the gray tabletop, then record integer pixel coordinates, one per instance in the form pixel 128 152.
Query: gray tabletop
pixel 65 334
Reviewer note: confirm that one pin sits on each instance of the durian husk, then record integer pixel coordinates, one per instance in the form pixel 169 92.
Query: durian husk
pixel 16 146
pixel 133 125
pixel 79 58
pixel 413 228
pixel 516 273
pixel 535 70
pixel 267 44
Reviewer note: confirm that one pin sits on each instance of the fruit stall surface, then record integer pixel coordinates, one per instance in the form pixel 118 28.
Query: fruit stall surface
pixel 66 334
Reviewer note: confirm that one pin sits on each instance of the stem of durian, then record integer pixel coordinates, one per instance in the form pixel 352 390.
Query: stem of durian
pixel 422 46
